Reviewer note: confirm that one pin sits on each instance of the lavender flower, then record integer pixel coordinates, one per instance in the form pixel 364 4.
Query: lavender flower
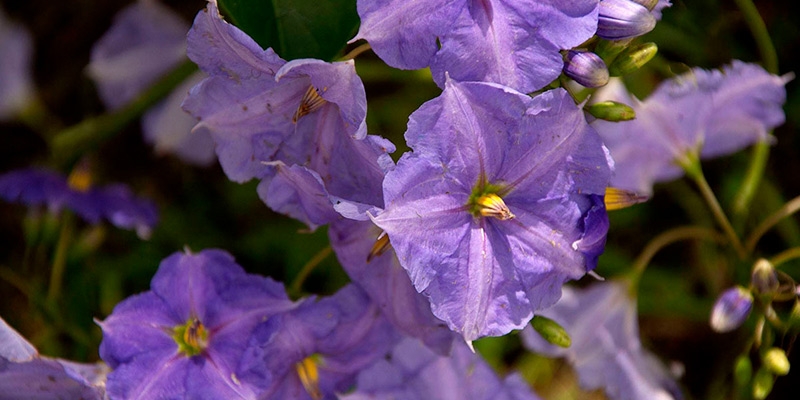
pixel 605 351
pixel 24 374
pixel 623 19
pixel 516 45
pixel 731 309
pixel 499 204
pixel 316 350
pixel 16 78
pixel 415 372
pixel 586 68
pixel 147 30
pixel 702 114
pixel 185 337
pixel 114 203
pixel 303 120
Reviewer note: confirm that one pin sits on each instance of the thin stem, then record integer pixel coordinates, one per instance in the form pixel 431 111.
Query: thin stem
pixel 356 52
pixel 784 256
pixel 60 258
pixel 788 209
pixel 759 31
pixel 306 270
pixel 671 236
pixel 77 139
pixel 716 210
pixel 8 275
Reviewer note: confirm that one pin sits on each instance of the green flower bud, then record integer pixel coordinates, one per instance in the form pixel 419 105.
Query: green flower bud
pixel 742 371
pixel 611 111
pixel 632 58
pixel 762 384
pixel 776 361
pixel 551 331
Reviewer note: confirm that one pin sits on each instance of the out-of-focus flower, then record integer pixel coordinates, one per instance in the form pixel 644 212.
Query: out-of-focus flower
pixel 24 374
pixel 606 351
pixel 731 309
pixel 146 41
pixel 316 350
pixel 586 68
pixel 16 75
pixel 498 205
pixel 415 372
pixel 186 336
pixel 301 122
pixel 699 114
pixel 514 44
pixel 623 19
pixel 115 203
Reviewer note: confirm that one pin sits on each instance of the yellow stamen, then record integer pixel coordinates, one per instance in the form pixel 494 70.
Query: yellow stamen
pixel 309 377
pixel 617 199
pixel 380 247
pixel 491 205
pixel 81 177
pixel 311 102
pixel 195 334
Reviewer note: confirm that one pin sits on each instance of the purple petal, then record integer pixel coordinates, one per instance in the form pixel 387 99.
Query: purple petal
pixel 16 72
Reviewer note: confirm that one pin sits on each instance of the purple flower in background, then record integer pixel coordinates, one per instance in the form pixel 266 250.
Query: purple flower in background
pixel 114 203
pixel 701 113
pixel 24 374
pixel 731 309
pixel 302 120
pixel 147 30
pixel 16 73
pixel 316 350
pixel 185 337
pixel 498 205
pixel 605 351
pixel 415 372
pixel 516 44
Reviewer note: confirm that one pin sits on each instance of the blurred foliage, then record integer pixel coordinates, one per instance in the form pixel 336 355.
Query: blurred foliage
pixel 200 208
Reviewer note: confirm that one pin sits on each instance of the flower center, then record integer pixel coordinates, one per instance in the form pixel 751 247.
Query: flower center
pixel 485 201
pixel 309 375
pixel 191 337
pixel 311 102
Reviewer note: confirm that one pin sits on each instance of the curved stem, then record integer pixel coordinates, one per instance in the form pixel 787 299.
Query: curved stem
pixel 356 52
pixel 716 210
pixel 759 31
pixel 671 236
pixel 294 288
pixel 784 256
pixel 788 209
pixel 60 258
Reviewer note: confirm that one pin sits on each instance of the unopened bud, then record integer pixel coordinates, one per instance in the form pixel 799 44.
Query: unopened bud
pixel 776 361
pixel 611 111
pixel 764 279
pixel 731 309
pixel 742 371
pixel 586 68
pixel 551 331
pixel 621 19
pixel 762 384
pixel 633 58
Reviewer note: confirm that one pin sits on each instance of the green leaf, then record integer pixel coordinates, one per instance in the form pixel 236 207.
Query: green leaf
pixel 295 28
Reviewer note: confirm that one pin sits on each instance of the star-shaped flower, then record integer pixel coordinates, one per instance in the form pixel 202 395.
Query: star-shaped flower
pixel 498 205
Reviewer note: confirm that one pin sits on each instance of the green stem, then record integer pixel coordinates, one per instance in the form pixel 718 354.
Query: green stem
pixel 788 209
pixel 696 173
pixel 60 258
pixel 70 143
pixel 294 288
pixel 784 256
pixel 356 52
pixel 759 31
pixel 668 237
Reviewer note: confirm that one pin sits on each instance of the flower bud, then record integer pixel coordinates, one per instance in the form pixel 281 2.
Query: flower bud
pixel 551 331
pixel 620 19
pixel 649 4
pixel 764 279
pixel 776 361
pixel 611 111
pixel 762 384
pixel 731 309
pixel 632 58
pixel 586 68
pixel 742 371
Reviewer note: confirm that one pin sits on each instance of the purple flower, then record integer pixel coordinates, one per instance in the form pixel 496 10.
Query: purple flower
pixel 114 203
pixel 147 30
pixel 623 19
pixel 415 372
pixel 702 113
pixel 498 205
pixel 185 337
pixel 267 116
pixel 24 374
pixel 512 43
pixel 316 350
pixel 16 74
pixel 731 309
pixel 606 351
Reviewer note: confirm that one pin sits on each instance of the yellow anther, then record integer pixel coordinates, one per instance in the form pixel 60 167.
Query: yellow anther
pixel 195 334
pixel 309 377
pixel 311 102
pixel 380 247
pixel 491 205
pixel 80 178
pixel 616 199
